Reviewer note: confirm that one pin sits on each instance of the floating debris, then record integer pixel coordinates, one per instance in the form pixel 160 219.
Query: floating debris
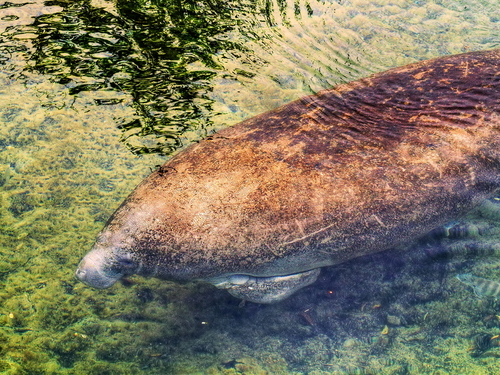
pixel 482 287
pixel 307 317
pixel 481 343
pixel 385 331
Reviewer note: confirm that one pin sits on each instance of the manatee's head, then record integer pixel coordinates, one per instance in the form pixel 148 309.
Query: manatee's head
pixel 132 242
pixel 191 221
pixel 101 268
pixel 110 259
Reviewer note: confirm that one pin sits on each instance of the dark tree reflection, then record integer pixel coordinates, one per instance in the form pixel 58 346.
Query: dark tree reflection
pixel 146 49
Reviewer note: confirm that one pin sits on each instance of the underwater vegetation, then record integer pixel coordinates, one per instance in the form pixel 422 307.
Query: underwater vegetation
pixel 72 72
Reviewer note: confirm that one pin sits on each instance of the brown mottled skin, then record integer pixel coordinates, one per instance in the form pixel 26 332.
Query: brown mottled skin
pixel 346 172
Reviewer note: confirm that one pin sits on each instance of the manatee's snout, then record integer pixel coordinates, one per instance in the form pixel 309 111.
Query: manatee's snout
pixel 92 275
pixel 101 270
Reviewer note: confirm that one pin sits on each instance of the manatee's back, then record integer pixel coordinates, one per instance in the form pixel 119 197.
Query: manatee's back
pixel 329 177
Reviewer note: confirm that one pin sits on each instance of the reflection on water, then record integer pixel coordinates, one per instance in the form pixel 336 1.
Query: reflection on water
pixel 82 79
pixel 143 50
pixel 173 58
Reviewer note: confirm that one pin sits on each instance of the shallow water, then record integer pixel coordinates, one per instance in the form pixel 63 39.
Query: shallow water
pixel 95 94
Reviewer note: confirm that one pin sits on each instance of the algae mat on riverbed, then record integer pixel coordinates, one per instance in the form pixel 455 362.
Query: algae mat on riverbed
pixel 67 115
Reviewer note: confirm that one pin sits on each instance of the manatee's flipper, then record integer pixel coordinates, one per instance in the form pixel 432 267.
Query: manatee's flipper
pixel 267 289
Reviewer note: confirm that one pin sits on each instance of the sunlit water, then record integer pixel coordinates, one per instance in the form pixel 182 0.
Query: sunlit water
pixel 86 87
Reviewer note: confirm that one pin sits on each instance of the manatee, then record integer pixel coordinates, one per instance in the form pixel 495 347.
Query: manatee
pixel 260 207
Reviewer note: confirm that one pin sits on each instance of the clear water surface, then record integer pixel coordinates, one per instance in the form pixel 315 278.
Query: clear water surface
pixel 94 94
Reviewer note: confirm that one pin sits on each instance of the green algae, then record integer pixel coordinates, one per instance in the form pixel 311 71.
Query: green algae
pixel 63 170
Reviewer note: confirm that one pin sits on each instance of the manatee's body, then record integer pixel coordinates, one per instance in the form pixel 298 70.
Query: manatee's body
pixel 333 176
